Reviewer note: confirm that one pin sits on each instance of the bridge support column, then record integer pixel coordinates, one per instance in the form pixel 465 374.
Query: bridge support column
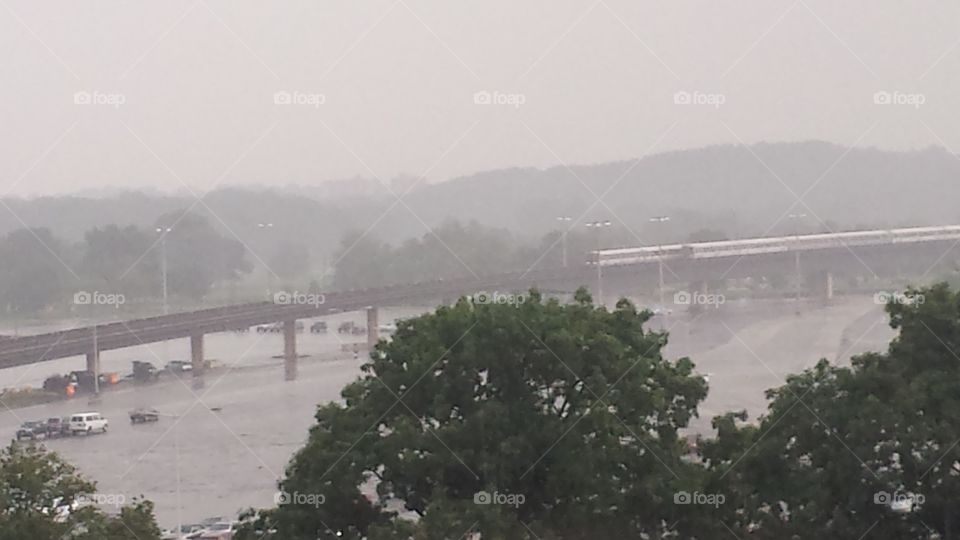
pixel 373 327
pixel 93 362
pixel 290 349
pixel 697 292
pixel 196 354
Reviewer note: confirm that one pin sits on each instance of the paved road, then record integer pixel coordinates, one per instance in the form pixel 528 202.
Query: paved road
pixel 225 451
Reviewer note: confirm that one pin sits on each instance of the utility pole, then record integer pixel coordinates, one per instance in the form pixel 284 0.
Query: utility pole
pixel 597 226
pixel 796 254
pixel 660 219
pixel 267 226
pixel 96 362
pixel 163 265
pixel 563 239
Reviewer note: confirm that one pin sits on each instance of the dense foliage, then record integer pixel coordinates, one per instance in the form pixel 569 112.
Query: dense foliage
pixel 564 418
pixel 43 497
pixel 845 450
pixel 42 272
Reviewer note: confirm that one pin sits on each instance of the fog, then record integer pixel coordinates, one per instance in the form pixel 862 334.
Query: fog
pixel 591 82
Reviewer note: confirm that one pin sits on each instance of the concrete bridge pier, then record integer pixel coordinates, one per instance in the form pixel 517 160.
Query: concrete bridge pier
pixel 290 349
pixel 196 354
pixel 373 327
pixel 93 362
pixel 823 285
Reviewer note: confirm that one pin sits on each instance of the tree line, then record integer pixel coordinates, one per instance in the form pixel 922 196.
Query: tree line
pixel 42 272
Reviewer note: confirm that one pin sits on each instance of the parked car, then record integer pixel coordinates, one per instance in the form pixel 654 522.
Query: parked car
pixel 272 328
pixel 178 366
pixel 83 381
pixel 319 327
pixel 143 415
pixel 222 530
pixel 277 327
pixel 32 430
pixel 57 427
pixel 387 328
pixel 144 371
pixel 88 422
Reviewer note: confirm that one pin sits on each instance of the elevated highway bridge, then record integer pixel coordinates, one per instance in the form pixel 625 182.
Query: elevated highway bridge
pixel 866 252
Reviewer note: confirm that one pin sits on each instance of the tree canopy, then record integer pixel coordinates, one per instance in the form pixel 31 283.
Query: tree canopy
pixel 510 415
pixel 42 496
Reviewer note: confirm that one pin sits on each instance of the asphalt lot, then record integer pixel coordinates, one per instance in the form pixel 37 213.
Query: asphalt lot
pixel 221 447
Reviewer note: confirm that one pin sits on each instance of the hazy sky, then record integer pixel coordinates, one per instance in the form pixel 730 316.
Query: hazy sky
pixel 184 92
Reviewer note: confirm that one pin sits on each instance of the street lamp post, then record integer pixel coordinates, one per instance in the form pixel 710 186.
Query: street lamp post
pixel 563 239
pixel 597 226
pixel 266 226
pixel 660 219
pixel 796 253
pixel 163 264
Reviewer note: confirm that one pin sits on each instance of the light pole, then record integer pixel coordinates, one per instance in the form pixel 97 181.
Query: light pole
pixel 162 231
pixel 267 226
pixel 660 219
pixel 563 239
pixel 796 252
pixel 598 226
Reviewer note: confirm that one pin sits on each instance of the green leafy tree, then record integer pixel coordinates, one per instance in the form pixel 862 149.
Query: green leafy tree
pixel 361 261
pixel 41 496
pixel 568 414
pixel 290 260
pixel 198 256
pixel 117 260
pixel 847 450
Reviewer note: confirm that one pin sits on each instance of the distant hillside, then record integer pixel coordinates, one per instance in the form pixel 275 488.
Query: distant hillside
pixel 724 188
